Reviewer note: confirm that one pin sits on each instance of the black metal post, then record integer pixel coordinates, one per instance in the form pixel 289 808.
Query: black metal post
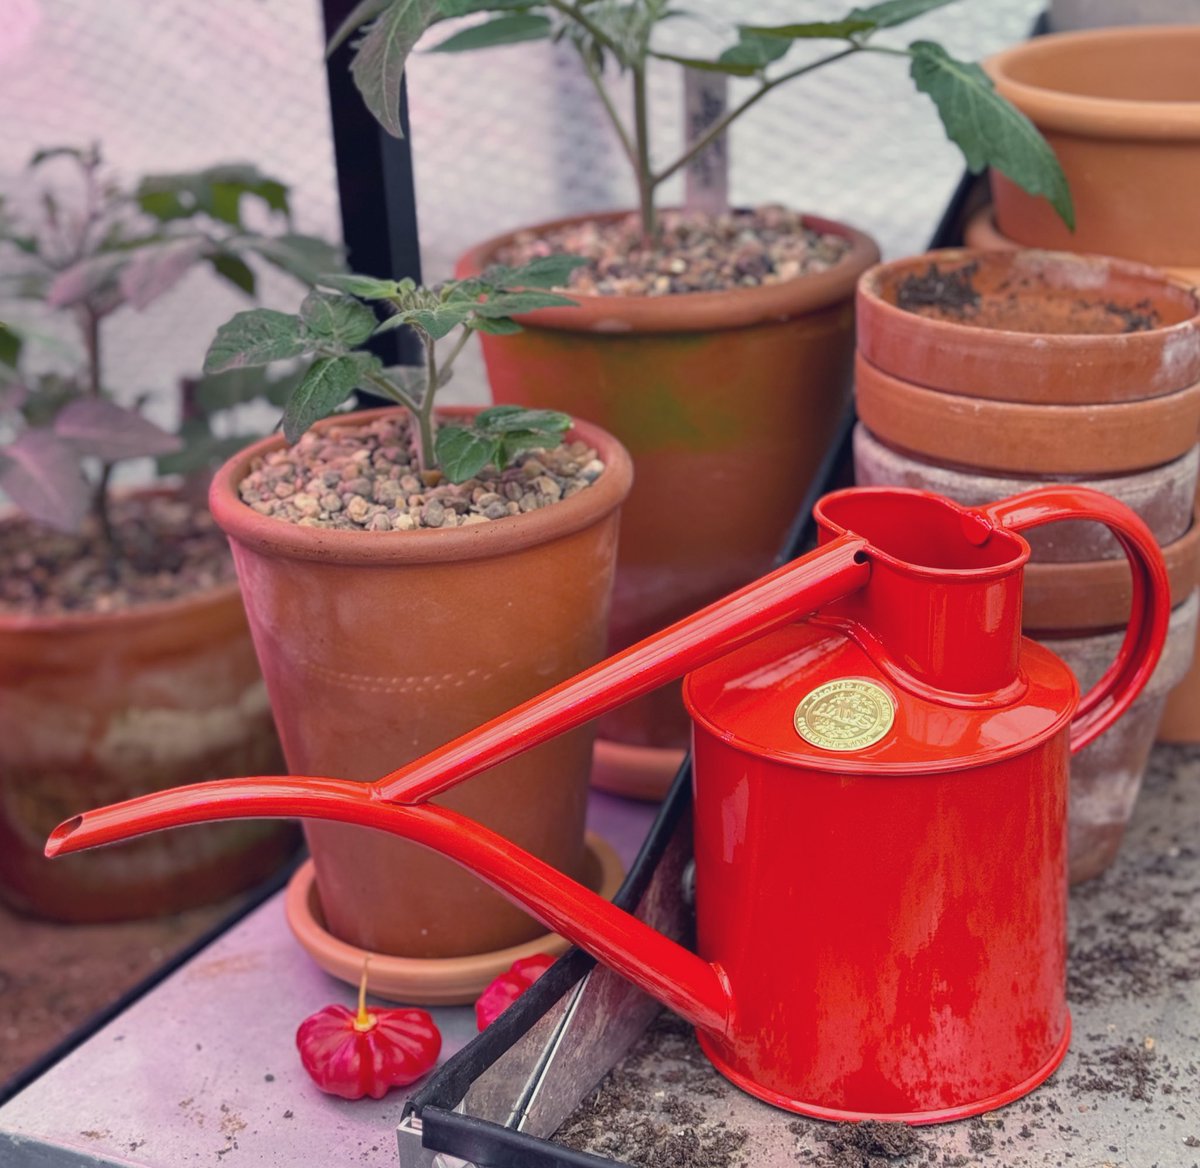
pixel 375 184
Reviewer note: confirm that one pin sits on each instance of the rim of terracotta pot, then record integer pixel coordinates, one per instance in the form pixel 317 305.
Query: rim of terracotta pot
pixel 1095 594
pixel 1019 74
pixel 69 623
pixel 429 546
pixel 692 311
pixel 1046 360
pixel 1025 437
pixel 982 233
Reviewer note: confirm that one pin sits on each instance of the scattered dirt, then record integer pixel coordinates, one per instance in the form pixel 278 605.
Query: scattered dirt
pixel 951 293
pixel 357 477
pixel 167 548
pixel 645 1117
pixel 695 253
pixel 1129 1069
pixel 871 1144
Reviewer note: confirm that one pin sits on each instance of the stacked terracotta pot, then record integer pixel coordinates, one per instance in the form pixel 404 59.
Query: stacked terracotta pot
pixel 980 374
pixel 1121 109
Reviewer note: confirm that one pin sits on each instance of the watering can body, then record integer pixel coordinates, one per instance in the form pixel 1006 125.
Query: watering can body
pixel 880 770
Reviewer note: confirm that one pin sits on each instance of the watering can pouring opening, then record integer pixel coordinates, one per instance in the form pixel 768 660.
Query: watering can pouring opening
pixel 880 789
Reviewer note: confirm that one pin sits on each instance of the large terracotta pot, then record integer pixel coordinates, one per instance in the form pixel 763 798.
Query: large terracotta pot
pixel 103 707
pixel 1121 110
pixel 379 646
pixel 727 403
pixel 980 373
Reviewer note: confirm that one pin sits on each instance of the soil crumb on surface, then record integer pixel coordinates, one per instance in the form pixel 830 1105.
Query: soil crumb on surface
pixel 366 477
pixel 695 253
pixel 166 548
pixel 952 292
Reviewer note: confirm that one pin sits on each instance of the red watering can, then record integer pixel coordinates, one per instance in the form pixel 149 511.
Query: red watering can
pixel 880 809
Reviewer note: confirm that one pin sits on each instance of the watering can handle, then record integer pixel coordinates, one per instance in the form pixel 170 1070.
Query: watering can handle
pixel 1150 608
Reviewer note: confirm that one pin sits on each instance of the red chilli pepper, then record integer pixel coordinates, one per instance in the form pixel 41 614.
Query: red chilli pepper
pixel 369 1052
pixel 508 987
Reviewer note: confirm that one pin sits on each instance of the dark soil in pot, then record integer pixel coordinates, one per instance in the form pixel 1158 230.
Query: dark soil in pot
pixel 694 253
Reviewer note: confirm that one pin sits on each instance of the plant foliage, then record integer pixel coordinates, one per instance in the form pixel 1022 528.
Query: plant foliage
pixel 340 316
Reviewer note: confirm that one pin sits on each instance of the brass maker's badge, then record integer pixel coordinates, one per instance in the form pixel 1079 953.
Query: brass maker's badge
pixel 845 715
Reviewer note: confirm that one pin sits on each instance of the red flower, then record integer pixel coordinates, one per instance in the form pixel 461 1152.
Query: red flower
pixel 369 1052
pixel 508 987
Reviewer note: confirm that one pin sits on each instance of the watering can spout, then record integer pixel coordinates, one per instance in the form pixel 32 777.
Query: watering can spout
pixel 398 802
pixel 695 989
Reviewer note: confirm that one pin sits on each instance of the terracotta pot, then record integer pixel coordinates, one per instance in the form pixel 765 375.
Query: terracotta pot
pixel 1121 110
pixel 1080 308
pixel 379 646
pixel 982 234
pixel 102 707
pixel 1106 775
pixel 727 402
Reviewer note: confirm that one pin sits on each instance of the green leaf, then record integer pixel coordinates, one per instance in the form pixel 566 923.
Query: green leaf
pixel 218 392
pixel 512 303
pixel 338 319
pixel 360 14
pixel 257 337
pixel 890 13
pixel 328 382
pixel 729 68
pixel 157 268
pixel 234 269
pixel 552 271
pixel 502 30
pixel 216 191
pixel 10 346
pixel 463 453
pixel 500 326
pixel 304 256
pixel 378 66
pixel 842 29
pixel 988 129
pixel 368 287
pixel 448 9
pixel 509 419
pixel 438 321
pixel 755 51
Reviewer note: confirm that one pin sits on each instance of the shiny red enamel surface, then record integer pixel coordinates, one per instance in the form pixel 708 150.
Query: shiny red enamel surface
pixel 881 930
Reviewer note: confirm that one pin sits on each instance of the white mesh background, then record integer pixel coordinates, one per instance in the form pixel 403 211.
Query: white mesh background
pixel 501 138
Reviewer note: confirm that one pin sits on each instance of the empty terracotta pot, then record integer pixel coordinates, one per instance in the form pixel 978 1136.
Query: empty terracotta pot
pixel 377 647
pixel 1121 110
pixel 727 402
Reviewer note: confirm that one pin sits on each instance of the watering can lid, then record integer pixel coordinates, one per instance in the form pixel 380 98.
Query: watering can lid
pixel 810 696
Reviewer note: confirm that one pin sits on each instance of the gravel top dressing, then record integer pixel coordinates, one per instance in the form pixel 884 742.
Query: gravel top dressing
pixel 696 253
pixel 169 548
pixel 366 478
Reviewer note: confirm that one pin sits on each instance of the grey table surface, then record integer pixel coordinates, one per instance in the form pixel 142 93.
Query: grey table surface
pixel 202 1070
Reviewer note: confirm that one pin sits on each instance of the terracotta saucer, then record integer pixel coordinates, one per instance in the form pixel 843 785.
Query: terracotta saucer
pixel 636 772
pixel 453 981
